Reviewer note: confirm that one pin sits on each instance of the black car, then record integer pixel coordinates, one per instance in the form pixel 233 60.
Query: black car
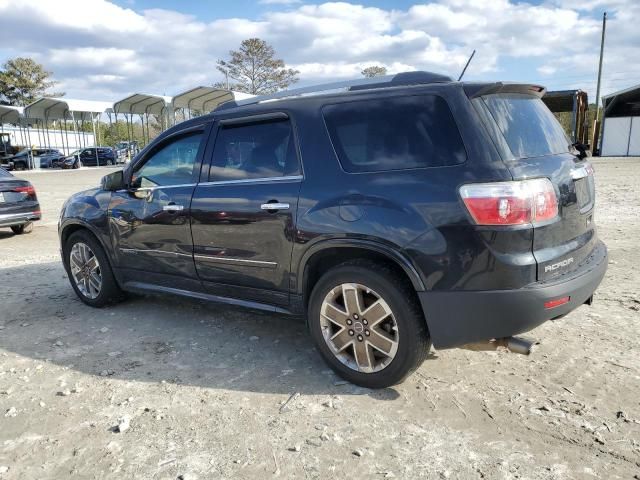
pixel 50 159
pixel 393 213
pixel 90 157
pixel 28 157
pixel 19 206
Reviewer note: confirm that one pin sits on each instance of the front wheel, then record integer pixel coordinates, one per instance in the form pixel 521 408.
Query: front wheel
pixel 89 270
pixel 22 229
pixel 367 324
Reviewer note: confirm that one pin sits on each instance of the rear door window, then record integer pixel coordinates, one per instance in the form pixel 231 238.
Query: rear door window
pixel 527 125
pixel 254 150
pixel 394 133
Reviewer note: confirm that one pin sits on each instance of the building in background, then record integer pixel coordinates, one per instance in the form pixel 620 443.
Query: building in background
pixel 621 123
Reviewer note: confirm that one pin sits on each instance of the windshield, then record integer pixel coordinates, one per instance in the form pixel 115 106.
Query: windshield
pixel 527 125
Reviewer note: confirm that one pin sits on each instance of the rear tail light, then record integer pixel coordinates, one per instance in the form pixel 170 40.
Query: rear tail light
pixel 28 189
pixel 510 203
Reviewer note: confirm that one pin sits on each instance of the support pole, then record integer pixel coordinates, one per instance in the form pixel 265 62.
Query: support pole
pixel 596 125
pixel 95 146
pixel 38 131
pixel 46 126
pixel 66 136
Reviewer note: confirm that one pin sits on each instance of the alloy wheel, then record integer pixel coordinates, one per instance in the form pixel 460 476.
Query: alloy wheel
pixel 85 270
pixel 359 327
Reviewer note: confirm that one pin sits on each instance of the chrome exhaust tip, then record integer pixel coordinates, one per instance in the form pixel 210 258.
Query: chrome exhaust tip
pixel 520 345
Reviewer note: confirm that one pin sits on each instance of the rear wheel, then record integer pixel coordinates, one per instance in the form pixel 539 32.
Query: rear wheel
pixel 367 324
pixel 89 270
pixel 22 229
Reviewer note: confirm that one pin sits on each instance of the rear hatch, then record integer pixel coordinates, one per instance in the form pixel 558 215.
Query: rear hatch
pixel 534 145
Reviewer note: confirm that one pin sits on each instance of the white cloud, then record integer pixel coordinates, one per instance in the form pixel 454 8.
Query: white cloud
pixel 98 48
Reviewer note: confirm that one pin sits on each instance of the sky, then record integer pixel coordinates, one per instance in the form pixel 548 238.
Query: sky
pixel 106 50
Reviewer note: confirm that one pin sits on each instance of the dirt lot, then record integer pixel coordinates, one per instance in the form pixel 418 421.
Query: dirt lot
pixel 206 387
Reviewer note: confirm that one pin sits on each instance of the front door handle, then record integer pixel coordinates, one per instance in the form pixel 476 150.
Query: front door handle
pixel 274 206
pixel 173 208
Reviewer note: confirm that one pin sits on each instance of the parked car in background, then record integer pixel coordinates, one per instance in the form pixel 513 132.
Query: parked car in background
pixel 125 151
pixel 19 206
pixel 25 159
pixel 90 157
pixel 49 159
pixel 397 213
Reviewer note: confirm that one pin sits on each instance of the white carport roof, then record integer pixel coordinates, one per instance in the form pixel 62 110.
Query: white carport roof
pixel 50 108
pixel 10 114
pixel 142 103
pixel 206 99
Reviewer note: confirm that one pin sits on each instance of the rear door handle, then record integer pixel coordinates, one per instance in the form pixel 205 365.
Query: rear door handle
pixel 274 206
pixel 173 208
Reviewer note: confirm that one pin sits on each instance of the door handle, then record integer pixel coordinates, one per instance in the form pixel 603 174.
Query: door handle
pixel 173 208
pixel 274 206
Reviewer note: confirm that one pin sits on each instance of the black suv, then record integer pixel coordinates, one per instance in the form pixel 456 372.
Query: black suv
pixel 393 213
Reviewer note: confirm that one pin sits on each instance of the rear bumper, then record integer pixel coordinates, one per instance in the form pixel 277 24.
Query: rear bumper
pixel 456 318
pixel 11 219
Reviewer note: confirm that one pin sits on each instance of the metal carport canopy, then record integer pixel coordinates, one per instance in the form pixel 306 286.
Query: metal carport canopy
pixel 623 103
pixel 50 108
pixel 142 103
pixel 10 114
pixel 206 99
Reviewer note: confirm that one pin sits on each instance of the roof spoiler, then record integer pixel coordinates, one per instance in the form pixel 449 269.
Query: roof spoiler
pixel 474 90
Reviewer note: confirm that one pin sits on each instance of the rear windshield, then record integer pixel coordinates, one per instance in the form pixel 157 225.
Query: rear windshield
pixel 394 133
pixel 527 125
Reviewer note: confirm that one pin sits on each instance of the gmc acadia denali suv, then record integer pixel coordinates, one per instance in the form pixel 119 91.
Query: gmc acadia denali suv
pixel 393 213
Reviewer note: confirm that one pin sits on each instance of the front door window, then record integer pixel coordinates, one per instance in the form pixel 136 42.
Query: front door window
pixel 172 164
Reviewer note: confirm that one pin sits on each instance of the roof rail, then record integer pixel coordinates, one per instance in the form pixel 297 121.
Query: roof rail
pixel 386 81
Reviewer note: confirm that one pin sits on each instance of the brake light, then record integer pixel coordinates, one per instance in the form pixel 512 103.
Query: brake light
pixel 29 190
pixel 510 203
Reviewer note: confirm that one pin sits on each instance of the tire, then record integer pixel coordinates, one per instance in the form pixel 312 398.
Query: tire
pixel 19 166
pixel 403 326
pixel 109 291
pixel 23 229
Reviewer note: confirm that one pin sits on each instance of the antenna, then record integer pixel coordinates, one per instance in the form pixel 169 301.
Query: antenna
pixel 467 64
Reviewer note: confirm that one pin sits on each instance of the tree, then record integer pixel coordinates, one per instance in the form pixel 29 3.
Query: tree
pixel 374 71
pixel 22 80
pixel 254 69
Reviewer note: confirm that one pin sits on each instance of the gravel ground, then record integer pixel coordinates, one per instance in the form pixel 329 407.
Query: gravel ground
pixel 165 388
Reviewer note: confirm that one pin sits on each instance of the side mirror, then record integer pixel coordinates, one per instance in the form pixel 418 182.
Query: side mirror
pixel 114 181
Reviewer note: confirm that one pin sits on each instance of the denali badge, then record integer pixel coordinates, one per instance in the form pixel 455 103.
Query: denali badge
pixel 555 266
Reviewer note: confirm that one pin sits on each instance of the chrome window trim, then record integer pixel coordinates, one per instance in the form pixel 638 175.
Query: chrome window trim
pixel 146 189
pixel 287 178
pixel 240 261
